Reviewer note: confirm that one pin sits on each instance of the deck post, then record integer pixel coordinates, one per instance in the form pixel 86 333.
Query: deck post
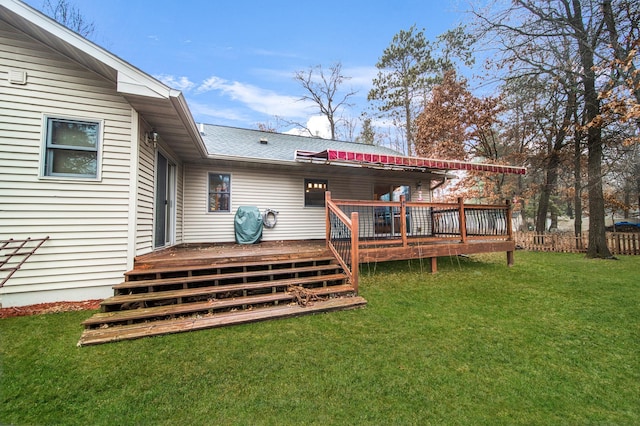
pixel 463 220
pixel 327 215
pixel 403 221
pixel 509 258
pixel 509 219
pixel 434 265
pixel 355 250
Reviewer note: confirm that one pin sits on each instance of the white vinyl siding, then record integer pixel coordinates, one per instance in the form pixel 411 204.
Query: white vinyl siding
pixel 281 190
pixel 278 189
pixel 146 194
pixel 179 203
pixel 87 222
pixel 145 206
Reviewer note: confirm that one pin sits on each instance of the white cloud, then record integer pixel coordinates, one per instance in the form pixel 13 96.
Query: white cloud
pixel 201 110
pixel 317 124
pixel 181 83
pixel 274 53
pixel 258 99
pixel 361 77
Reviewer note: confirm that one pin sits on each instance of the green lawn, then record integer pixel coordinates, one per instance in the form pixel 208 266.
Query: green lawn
pixel 553 340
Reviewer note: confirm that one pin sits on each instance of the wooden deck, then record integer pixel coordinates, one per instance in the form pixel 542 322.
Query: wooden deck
pixel 195 254
pixel 195 286
pixel 378 250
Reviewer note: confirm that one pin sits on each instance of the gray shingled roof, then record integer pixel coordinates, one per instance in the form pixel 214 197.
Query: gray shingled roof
pixel 236 142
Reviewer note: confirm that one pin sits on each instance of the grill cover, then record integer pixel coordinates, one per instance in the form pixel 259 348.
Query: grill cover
pixel 248 225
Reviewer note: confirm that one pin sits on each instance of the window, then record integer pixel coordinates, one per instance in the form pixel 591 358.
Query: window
pixel 219 192
pixel 314 190
pixel 72 148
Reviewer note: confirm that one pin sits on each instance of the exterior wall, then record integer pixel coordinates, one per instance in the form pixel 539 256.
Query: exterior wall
pixel 179 228
pixel 281 190
pixel 145 199
pixel 87 221
pixel 145 207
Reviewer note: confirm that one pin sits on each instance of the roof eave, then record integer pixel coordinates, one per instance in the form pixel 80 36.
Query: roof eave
pixel 129 79
pixel 182 109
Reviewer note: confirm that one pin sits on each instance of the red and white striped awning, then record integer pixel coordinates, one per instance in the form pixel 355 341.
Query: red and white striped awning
pixel 401 162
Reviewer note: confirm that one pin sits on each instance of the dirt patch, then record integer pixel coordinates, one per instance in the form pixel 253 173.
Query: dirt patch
pixel 49 308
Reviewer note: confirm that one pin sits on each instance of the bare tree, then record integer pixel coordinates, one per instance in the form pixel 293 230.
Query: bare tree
pixel 530 33
pixel 272 126
pixel 68 15
pixel 323 89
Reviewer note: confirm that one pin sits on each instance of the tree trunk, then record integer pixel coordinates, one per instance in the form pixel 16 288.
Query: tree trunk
pixel 554 218
pixel 627 201
pixel 523 215
pixel 597 232
pixel 408 122
pixel 553 162
pixel 551 180
pixel 577 187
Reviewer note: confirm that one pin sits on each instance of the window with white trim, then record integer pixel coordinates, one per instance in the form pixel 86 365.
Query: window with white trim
pixel 314 190
pixel 72 148
pixel 219 192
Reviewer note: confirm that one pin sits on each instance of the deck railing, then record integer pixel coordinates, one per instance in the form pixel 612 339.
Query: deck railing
pixel 342 238
pixel 404 223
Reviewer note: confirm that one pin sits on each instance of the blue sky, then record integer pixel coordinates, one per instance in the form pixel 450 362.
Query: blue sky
pixel 234 60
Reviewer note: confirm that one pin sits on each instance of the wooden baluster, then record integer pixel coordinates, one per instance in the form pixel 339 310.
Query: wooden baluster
pixel 355 252
pixel 463 220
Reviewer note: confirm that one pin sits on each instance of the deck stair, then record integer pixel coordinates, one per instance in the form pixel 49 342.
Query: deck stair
pixel 171 297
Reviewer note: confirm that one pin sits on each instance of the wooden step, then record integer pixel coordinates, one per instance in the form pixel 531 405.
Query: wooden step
pixel 197 261
pixel 120 288
pixel 134 331
pixel 228 265
pixel 120 300
pixel 210 306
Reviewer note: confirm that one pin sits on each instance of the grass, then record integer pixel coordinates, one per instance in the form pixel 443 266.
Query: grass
pixel 553 340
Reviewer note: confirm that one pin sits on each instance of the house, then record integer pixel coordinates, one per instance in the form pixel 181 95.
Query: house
pixel 271 171
pixel 103 163
pixel 76 165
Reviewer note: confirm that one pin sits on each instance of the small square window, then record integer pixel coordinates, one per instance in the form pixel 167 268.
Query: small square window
pixel 219 192
pixel 314 190
pixel 72 148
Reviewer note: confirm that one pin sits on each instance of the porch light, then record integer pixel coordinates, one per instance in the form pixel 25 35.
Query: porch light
pixel 151 137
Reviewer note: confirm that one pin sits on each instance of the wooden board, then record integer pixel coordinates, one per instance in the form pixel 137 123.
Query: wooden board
pixel 98 336
pixel 433 250
pixel 102 318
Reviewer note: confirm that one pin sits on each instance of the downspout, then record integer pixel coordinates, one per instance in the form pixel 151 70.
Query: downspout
pixel 439 184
